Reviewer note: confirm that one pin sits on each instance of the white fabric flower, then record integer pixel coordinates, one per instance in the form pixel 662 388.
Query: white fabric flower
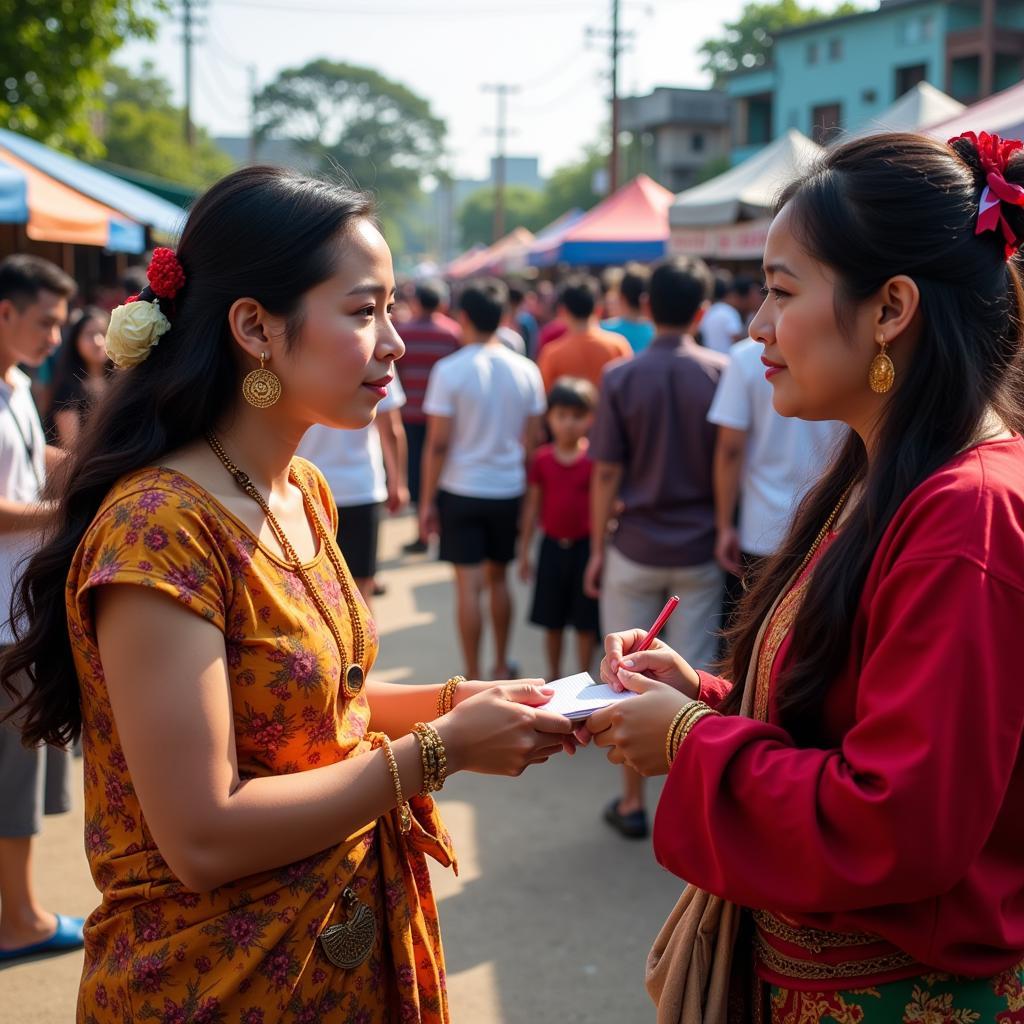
pixel 134 329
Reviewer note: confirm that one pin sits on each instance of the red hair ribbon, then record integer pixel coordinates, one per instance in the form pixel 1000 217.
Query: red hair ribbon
pixel 165 273
pixel 994 154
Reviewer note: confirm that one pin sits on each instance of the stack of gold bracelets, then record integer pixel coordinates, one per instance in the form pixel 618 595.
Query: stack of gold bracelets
pixel 686 718
pixel 432 754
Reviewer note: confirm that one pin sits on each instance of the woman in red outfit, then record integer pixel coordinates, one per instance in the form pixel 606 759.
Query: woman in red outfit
pixel 855 782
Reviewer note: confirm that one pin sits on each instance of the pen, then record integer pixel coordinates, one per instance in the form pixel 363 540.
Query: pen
pixel 659 624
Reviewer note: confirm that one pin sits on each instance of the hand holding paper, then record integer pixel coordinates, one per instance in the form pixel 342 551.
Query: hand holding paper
pixel 578 697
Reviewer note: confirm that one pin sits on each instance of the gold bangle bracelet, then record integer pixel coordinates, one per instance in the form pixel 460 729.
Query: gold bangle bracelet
pixel 433 756
pixel 680 714
pixel 446 698
pixel 680 725
pixel 687 726
pixel 404 813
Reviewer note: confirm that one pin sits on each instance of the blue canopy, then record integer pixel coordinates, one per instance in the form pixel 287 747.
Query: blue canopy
pixel 163 217
pixel 13 195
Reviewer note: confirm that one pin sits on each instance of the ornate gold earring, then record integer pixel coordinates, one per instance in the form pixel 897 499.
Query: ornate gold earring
pixel 881 373
pixel 261 388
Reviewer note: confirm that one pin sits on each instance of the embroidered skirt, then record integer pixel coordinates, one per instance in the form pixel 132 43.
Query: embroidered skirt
pixel 942 998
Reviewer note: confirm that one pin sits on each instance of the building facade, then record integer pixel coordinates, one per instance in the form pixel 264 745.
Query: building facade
pixel 678 132
pixel 834 76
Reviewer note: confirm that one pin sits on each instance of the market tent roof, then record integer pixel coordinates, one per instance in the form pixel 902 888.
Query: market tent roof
pixel 13 195
pixel 499 258
pixel 544 251
pixel 920 106
pixel 631 224
pixel 747 190
pixel 57 213
pixel 1002 113
pixel 136 203
pixel 454 268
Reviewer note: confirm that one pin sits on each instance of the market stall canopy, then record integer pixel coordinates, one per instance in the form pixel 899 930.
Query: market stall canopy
pixel 136 203
pixel 923 105
pixel 13 195
pixel 631 224
pixel 1002 114
pixel 57 213
pixel 544 251
pixel 747 190
pixel 506 255
pixel 465 259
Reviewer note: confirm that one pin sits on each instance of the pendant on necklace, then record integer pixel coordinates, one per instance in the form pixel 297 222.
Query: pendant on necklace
pixel 354 680
pixel 350 942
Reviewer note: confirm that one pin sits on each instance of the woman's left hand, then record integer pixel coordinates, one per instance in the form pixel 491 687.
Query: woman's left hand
pixel 634 731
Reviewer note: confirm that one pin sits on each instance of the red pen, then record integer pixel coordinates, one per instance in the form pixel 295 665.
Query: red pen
pixel 659 624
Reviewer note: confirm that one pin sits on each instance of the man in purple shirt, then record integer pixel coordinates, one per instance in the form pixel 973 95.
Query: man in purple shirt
pixel 653 451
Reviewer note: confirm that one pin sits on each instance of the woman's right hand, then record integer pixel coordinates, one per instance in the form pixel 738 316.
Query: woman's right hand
pixel 503 730
pixel 658 662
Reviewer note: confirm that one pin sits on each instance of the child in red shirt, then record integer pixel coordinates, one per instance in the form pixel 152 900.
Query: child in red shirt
pixel 559 493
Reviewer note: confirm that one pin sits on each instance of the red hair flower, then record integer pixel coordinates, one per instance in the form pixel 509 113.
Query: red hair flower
pixel 165 273
pixel 994 155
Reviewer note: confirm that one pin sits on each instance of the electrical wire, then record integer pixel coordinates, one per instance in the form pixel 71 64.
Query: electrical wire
pixel 414 12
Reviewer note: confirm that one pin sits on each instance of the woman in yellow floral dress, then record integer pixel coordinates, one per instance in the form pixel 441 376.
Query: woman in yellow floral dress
pixel 255 811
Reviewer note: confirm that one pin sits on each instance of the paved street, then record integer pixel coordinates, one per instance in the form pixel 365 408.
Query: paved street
pixel 552 914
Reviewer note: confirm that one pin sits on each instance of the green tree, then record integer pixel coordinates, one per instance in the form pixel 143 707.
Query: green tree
pixel 378 132
pixel 524 207
pixel 52 61
pixel 142 130
pixel 747 42
pixel 572 186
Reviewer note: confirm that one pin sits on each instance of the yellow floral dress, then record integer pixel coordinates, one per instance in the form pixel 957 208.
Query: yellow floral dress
pixel 246 953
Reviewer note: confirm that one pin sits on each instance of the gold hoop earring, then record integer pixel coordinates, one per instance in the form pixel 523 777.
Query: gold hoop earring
pixel 881 373
pixel 261 388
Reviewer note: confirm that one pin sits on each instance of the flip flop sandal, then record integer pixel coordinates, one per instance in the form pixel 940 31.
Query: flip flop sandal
pixel 67 936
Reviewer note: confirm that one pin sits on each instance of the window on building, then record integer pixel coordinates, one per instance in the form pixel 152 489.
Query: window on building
pixel 812 53
pixel 919 29
pixel 907 78
pixel 825 122
pixel 835 49
pixel 697 142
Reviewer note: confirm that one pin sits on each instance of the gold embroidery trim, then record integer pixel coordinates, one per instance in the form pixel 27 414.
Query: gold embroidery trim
pixel 812 939
pixel 812 970
pixel 780 625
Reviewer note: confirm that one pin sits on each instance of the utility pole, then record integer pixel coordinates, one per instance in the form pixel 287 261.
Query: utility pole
pixel 613 158
pixel 252 113
pixel 187 25
pixel 616 38
pixel 502 89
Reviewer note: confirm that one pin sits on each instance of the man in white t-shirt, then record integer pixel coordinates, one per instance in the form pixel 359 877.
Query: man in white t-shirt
pixel 33 305
pixel 764 462
pixel 484 407
pixel 365 469
pixel 722 325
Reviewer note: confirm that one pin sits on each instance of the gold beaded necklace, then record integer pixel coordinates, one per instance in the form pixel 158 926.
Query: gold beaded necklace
pixel 823 532
pixel 352 674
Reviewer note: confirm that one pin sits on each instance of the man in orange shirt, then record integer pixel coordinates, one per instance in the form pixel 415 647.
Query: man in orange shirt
pixel 585 349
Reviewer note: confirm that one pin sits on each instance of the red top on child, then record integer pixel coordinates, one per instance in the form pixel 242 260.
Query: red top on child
pixel 565 493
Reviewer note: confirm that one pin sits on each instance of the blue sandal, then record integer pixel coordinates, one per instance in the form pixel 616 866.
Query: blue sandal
pixel 67 936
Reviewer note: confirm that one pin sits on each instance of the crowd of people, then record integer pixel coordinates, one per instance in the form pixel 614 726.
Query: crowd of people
pixel 826 474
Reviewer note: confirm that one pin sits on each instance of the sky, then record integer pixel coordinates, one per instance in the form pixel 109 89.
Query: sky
pixel 446 51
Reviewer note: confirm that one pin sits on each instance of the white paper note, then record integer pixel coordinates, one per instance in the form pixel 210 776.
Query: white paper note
pixel 578 697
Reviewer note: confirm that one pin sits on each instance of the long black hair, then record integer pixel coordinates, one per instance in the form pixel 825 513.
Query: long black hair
pixel 872 209
pixel 261 232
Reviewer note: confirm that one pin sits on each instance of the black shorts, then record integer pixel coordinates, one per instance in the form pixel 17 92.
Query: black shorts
pixel 477 530
pixel 558 598
pixel 357 537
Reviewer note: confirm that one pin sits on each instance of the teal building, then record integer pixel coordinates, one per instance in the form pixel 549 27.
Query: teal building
pixel 834 76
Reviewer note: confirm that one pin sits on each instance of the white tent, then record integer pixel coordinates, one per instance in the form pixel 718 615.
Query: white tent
pixel 1002 113
pixel 747 190
pixel 921 106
